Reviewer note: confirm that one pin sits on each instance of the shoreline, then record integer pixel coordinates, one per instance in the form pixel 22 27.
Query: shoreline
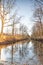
pixel 37 39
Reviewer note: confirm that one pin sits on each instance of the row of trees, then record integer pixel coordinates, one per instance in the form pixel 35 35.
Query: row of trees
pixel 5 10
pixel 38 19
pixel 9 19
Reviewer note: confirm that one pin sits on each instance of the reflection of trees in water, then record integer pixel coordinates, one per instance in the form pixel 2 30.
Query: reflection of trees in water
pixel 11 50
pixel 23 50
pixel 38 48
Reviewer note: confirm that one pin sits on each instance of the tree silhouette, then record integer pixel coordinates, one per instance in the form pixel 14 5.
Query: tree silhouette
pixel 38 19
pixel 5 10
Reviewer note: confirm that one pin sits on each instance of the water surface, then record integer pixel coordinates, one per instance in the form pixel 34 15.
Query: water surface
pixel 23 53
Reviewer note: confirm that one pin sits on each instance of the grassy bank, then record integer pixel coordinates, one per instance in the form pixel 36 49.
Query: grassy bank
pixel 6 39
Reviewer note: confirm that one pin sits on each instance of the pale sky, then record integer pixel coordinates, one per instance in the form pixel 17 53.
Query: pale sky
pixel 25 9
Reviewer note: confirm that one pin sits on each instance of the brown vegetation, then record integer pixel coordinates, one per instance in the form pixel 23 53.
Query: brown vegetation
pixel 38 19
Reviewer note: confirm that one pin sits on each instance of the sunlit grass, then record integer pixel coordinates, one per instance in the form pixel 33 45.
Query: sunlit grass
pixel 5 37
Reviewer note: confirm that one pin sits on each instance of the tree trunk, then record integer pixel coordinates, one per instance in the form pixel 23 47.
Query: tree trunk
pixel 12 54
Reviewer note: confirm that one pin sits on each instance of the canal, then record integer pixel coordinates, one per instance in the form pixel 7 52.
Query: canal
pixel 23 53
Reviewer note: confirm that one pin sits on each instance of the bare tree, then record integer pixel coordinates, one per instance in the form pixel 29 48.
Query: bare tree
pixel 5 10
pixel 23 29
pixel 40 2
pixel 38 18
